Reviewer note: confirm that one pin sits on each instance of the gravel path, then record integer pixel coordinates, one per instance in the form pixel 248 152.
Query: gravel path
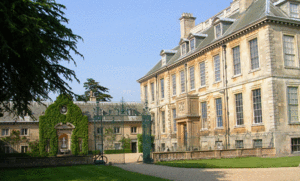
pixel 253 174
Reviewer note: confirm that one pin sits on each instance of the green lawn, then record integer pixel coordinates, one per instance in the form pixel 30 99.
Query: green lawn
pixel 247 162
pixel 76 173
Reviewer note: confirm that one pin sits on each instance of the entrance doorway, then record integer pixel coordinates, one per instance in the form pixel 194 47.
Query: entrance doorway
pixel 133 147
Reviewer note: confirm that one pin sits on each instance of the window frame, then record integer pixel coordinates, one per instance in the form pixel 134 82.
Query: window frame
pixel 182 81
pixel 295 49
pixel 25 147
pixel 174 120
pixel 133 130
pixel 238 146
pixel 256 140
pixel 252 68
pixel 297 145
pixel 219 123
pixel 236 57
pixel 117 128
pixel 99 130
pixel 146 93
pixel 253 107
pixel 221 30
pixel 236 109
pixel 152 92
pixel 217 73
pixel 288 105
pixel 174 85
pixel 202 74
pixel 163 121
pixel 7 132
pixel 183 49
pixel 204 115
pixel 27 132
pixel 290 10
pixel 162 88
pixel 192 77
pixel 194 44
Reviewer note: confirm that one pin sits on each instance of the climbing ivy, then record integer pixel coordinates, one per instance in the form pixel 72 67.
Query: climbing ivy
pixel 54 116
pixel 140 142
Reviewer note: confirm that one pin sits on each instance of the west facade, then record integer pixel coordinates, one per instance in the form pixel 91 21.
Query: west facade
pixel 28 130
pixel 232 82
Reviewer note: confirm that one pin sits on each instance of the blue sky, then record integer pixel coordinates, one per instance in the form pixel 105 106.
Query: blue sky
pixel 123 38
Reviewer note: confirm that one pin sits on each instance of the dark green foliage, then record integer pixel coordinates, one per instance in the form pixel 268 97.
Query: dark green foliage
pixel 53 116
pixel 34 149
pixel 98 91
pixel 117 151
pixel 34 40
pixel 125 142
pixel 140 142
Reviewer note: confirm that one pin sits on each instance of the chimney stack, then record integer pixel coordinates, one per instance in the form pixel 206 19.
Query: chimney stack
pixel 92 97
pixel 187 22
pixel 244 4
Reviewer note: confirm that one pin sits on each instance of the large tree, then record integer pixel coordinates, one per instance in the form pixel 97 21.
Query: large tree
pixel 98 91
pixel 34 40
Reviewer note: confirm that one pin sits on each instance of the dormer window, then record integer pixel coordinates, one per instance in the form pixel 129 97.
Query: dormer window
pixel 192 44
pixel 164 59
pixel 218 30
pixel 294 12
pixel 183 49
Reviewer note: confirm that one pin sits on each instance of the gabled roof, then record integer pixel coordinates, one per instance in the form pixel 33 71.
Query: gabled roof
pixel 257 11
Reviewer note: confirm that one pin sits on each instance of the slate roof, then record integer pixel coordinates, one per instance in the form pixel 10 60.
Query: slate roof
pixel 87 109
pixel 257 11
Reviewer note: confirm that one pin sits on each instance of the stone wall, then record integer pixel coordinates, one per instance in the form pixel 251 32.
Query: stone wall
pixel 258 152
pixel 45 162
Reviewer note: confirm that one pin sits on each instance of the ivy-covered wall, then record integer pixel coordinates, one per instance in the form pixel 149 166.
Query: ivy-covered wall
pixel 53 116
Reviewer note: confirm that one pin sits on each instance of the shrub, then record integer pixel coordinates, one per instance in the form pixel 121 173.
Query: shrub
pixel 117 151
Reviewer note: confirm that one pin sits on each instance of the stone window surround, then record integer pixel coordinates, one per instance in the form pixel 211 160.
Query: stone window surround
pixel 221 30
pixel 289 33
pixel 292 84
pixel 240 62
pixel 8 131
pixel 184 80
pixel 289 8
pixel 27 131
pixel 214 68
pixel 161 122
pixel 23 144
pixel 189 78
pixel 160 87
pixel 152 86
pixel 174 91
pixel 249 38
pixel 235 117
pixel 201 86
pixel 191 44
pixel 132 130
pixel 146 92
pixel 252 108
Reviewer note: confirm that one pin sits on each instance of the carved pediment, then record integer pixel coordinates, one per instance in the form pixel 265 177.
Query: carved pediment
pixel 64 126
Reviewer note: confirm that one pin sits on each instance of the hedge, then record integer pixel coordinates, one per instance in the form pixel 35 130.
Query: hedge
pixel 117 151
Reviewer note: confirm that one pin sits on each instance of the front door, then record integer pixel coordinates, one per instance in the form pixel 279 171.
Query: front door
pixel 133 147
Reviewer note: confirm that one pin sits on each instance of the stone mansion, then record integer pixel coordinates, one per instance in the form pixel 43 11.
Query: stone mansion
pixel 231 82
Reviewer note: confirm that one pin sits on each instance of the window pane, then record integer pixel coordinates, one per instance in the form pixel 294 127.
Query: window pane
pixel 236 60
pixel 204 114
pixel 174 121
pixel 162 88
pixel 152 91
pixel 163 121
pixel 192 78
pixel 174 84
pixel 294 10
pixel 192 42
pixel 239 144
pixel 293 104
pixel 218 30
pixel 295 145
pixel 257 143
pixel 182 81
pixel 146 93
pixel 217 68
pixel 254 54
pixel 257 106
pixel 202 73
pixel 239 109
pixel 219 112
pixel 289 52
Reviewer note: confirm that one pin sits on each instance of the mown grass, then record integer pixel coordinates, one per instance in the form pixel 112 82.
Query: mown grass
pixel 246 162
pixel 73 173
